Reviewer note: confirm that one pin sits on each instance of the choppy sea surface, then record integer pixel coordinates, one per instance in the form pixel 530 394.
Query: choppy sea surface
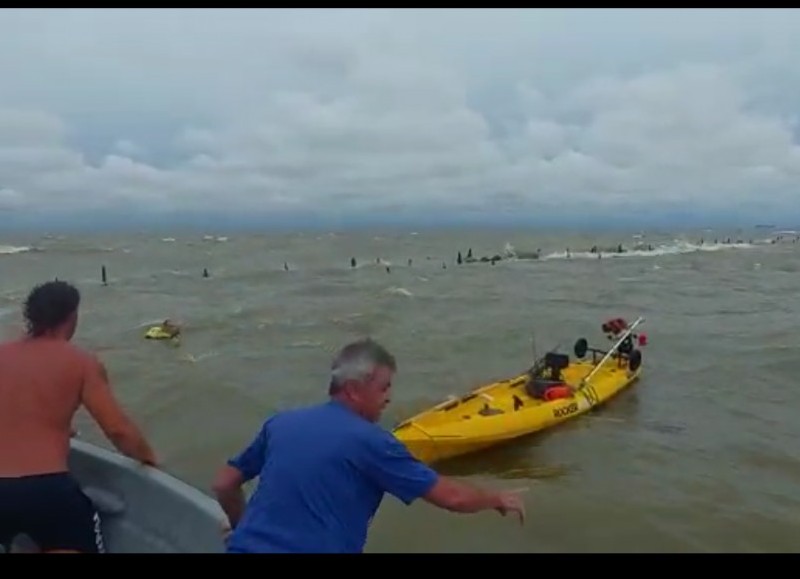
pixel 701 455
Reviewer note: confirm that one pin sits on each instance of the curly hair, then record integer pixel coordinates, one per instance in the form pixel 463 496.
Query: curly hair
pixel 49 305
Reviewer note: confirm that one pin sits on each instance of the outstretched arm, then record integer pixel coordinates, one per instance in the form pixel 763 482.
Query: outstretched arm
pixel 227 486
pixel 397 472
pixel 99 400
pixel 460 497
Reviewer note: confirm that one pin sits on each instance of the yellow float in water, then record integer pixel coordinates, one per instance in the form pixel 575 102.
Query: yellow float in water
pixel 158 333
pixel 164 331
pixel 555 390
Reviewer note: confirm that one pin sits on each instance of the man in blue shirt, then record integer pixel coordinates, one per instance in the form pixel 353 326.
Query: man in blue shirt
pixel 323 470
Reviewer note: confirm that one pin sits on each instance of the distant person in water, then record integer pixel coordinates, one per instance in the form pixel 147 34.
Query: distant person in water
pixel 323 470
pixel 44 380
pixel 169 328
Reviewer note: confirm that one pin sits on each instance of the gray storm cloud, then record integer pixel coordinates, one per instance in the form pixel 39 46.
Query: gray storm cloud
pixel 512 110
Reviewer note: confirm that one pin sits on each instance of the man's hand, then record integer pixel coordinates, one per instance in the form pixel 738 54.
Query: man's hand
pixel 511 502
pixel 226 532
pixel 150 461
pixel 227 487
pixel 459 497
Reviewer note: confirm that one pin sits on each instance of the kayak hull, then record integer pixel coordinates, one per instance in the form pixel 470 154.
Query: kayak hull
pixel 158 333
pixel 504 411
pixel 143 509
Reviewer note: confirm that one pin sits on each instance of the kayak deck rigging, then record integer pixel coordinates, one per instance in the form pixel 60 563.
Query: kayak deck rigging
pixel 553 390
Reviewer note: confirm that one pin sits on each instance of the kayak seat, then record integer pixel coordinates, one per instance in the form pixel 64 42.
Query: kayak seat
pixel 539 388
pixel 541 380
pixel 105 502
pixel 555 363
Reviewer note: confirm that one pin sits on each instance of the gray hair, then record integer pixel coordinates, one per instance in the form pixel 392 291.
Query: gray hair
pixel 357 361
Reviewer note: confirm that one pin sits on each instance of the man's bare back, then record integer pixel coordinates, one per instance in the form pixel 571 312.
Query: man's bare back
pixel 43 383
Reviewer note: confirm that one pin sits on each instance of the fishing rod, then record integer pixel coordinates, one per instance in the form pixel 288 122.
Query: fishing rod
pixel 536 360
pixel 603 360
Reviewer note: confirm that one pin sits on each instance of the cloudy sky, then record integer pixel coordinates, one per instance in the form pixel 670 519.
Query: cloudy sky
pixel 399 112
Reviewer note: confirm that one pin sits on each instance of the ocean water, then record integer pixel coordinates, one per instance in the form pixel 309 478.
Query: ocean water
pixel 701 455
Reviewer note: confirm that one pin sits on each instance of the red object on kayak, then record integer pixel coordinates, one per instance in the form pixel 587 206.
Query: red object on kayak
pixel 557 392
pixel 615 326
pixel 642 339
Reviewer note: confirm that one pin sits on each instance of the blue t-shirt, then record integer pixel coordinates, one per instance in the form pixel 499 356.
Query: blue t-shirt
pixel 322 473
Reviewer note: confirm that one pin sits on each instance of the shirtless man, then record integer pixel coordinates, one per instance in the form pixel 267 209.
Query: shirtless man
pixel 44 380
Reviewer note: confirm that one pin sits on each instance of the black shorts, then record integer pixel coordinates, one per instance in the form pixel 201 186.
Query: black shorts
pixel 52 510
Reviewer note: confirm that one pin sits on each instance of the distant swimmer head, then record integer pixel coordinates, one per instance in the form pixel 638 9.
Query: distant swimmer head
pixel 51 309
pixel 168 327
pixel 361 378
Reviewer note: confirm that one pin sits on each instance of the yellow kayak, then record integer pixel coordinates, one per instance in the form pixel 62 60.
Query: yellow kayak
pixel 554 390
pixel 158 333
